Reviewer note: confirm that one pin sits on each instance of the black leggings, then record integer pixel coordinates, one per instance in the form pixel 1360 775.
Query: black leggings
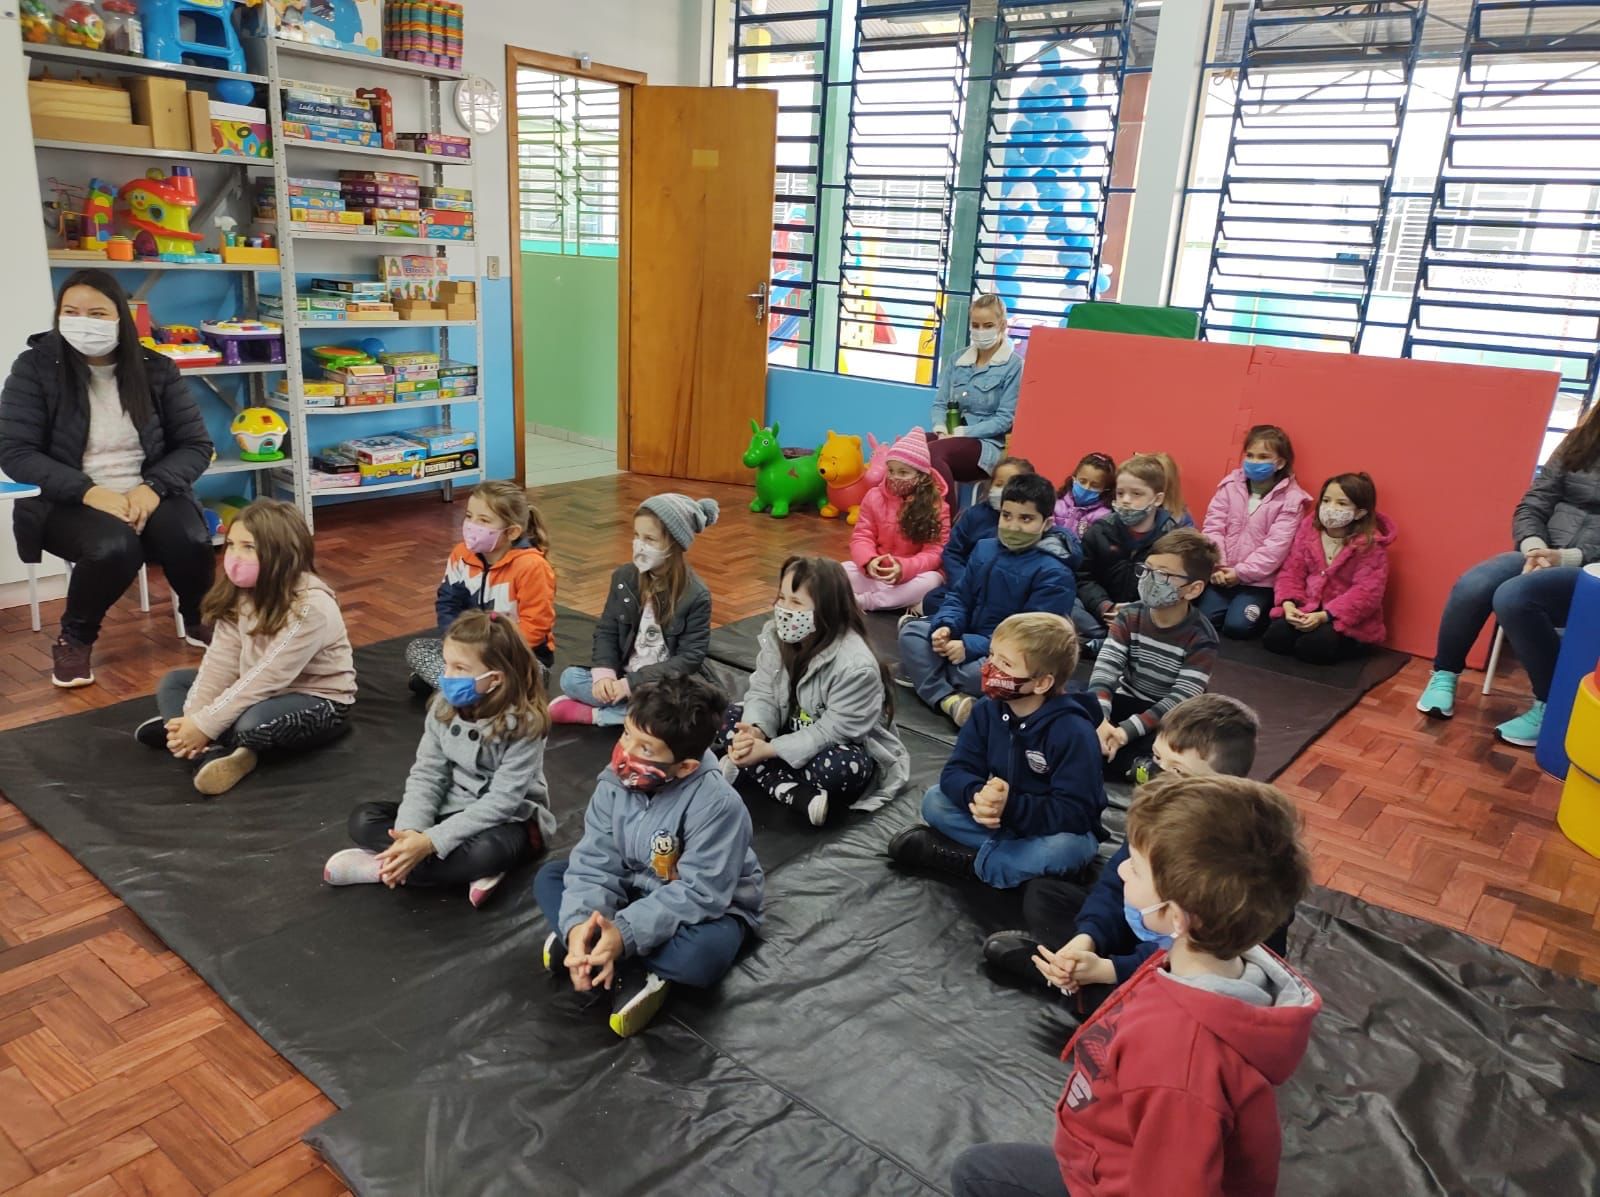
pixel 1323 645
pixel 845 771
pixel 106 555
pixel 282 723
pixel 486 854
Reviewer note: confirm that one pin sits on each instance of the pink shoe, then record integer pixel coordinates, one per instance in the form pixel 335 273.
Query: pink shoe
pixel 570 710
pixel 480 890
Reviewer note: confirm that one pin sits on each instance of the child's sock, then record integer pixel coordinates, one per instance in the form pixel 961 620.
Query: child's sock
pixel 570 710
pixel 352 866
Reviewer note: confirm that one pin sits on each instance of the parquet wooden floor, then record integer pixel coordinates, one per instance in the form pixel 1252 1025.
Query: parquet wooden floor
pixel 121 1073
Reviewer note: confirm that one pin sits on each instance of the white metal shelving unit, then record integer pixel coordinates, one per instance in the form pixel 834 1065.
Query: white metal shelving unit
pixel 296 158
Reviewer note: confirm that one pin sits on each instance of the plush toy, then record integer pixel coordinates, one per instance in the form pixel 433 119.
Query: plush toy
pixel 849 478
pixel 782 482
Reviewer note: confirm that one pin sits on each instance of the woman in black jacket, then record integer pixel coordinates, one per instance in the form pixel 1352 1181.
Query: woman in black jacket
pixel 1556 529
pixel 109 433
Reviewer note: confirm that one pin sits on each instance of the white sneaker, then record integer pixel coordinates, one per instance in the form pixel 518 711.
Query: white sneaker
pixel 478 892
pixel 817 809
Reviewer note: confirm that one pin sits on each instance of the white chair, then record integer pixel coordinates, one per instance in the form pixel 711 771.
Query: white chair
pixel 144 595
pixel 1494 658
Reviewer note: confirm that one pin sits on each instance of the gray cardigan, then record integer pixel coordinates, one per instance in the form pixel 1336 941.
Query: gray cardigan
pixel 463 783
pixel 842 690
pixel 1562 511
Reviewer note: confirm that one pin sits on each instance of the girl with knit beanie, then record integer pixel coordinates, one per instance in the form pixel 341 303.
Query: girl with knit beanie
pixel 900 532
pixel 657 619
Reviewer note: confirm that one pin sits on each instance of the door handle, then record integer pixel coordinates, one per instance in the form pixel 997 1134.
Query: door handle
pixel 760 296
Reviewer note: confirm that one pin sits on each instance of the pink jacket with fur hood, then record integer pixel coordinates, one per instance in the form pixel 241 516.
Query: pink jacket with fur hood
pixel 878 525
pixel 1254 544
pixel 1350 588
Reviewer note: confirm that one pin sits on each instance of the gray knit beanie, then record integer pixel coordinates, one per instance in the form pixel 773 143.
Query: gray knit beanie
pixel 683 518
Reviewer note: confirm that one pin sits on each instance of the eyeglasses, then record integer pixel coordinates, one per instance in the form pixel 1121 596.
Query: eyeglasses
pixel 1142 570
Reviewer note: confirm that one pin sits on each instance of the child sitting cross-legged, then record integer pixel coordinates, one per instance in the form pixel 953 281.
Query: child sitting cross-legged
pixel 900 531
pixel 1021 795
pixel 475 803
pixel 1026 566
pixel 664 886
pixel 1171 1088
pixel 974 525
pixel 1160 650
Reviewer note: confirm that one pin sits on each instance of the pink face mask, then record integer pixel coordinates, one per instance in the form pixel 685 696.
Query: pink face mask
pixel 241 571
pixel 478 538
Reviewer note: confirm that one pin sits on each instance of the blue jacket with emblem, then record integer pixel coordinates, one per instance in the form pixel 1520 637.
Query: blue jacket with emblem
pixel 999 583
pixel 1050 759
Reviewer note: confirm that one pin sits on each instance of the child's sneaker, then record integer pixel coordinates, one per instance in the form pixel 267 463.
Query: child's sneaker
pixel 570 710
pixel 1523 731
pixel 817 809
pixel 480 890
pixel 636 998
pixel 352 866
pixel 907 616
pixel 420 686
pixel 1438 699
pixel 1011 953
pixel 220 773
pixel 958 707
pixel 152 733
pixel 924 848
pixel 554 954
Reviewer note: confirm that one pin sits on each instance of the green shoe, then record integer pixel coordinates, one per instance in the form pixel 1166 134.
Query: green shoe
pixel 635 1000
pixel 1438 699
pixel 1523 731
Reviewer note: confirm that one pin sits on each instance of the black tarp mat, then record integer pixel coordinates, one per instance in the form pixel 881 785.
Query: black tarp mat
pixel 857 1049
pixel 1296 702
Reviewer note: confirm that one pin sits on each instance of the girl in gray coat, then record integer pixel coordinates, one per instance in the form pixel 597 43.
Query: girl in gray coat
pixel 476 803
pixel 814 731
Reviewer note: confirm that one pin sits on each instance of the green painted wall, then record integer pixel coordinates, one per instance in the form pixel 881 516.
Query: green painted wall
pixel 569 343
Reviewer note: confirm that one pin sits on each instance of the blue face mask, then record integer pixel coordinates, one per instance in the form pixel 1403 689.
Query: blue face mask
pixel 1083 496
pixel 1259 471
pixel 1135 918
pixel 460 691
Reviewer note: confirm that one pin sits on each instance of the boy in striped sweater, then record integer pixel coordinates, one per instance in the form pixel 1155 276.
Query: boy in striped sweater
pixel 1159 651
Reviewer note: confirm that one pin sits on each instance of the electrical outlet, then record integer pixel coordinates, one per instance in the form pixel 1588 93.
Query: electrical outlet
pixel 494 266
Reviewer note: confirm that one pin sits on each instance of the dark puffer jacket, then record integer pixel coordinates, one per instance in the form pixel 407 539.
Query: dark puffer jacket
pixel 44 428
pixel 1562 509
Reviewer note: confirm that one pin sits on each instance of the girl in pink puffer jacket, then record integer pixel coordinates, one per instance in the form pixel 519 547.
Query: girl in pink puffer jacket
pixel 1252 520
pixel 900 532
pixel 1330 590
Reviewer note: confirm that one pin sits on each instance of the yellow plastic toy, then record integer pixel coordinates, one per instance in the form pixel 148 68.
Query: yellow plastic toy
pixel 1579 813
pixel 154 211
pixel 260 432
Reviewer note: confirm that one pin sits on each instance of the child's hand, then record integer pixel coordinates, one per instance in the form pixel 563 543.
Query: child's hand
pixel 578 941
pixel 989 803
pixel 409 849
pixel 1225 577
pixel 877 566
pixel 894 571
pixel 606 952
pixel 1111 739
pixel 1290 611
pixel 954 651
pixel 184 739
pixel 940 638
pixel 1056 967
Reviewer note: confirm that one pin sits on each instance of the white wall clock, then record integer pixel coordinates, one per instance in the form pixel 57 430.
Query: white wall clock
pixel 478 105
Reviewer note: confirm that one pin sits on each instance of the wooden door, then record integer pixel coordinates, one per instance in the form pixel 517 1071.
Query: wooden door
pixel 698 206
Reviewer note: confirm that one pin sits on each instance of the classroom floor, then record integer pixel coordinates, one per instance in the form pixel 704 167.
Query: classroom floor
pixel 121 1073
pixel 549 460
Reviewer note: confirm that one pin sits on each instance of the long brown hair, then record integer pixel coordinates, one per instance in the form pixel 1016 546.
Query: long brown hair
pixel 509 502
pixel 1363 492
pixel 664 586
pixel 1278 441
pixel 286 556
pixel 838 614
pixel 1580 449
pixel 515 709
pixel 919 514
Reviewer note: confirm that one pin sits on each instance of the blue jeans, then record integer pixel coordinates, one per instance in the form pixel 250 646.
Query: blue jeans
pixel 1239 612
pixel 1530 607
pixel 935 678
pixel 700 954
pixel 578 683
pixel 1005 860
pixel 1008 1170
pixel 1088 627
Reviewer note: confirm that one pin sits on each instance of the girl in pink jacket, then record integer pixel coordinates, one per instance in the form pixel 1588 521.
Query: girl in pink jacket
pixel 901 530
pixel 1330 590
pixel 1252 519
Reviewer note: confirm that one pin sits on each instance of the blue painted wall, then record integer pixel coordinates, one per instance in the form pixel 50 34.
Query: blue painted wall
pixel 806 404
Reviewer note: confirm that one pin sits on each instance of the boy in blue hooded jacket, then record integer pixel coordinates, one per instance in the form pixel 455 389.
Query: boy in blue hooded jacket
pixel 1021 795
pixel 664 885
pixel 1026 566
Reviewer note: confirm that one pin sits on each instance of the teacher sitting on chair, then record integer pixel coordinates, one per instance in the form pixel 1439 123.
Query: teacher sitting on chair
pixel 1556 529
pixel 109 433
pixel 977 400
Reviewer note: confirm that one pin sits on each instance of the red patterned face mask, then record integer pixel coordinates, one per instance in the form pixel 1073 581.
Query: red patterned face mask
pixel 901 486
pixel 636 773
pixel 999 684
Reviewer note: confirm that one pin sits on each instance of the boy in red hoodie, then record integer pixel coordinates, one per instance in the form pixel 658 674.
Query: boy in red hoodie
pixel 1172 1084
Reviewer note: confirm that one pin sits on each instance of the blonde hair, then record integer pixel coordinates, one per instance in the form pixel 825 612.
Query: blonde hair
pixel 509 502
pixel 1174 487
pixel 988 301
pixel 1047 642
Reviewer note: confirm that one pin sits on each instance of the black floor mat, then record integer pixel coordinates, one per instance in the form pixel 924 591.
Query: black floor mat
pixel 1296 702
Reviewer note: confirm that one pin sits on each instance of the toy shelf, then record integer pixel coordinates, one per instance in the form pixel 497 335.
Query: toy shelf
pixel 369 408
pixel 107 264
pixel 235 465
pixel 313 325
pixel 131 65
pixel 133 151
pixel 357 492
pixel 357 62
pixel 374 239
pixel 375 151
pixel 251 368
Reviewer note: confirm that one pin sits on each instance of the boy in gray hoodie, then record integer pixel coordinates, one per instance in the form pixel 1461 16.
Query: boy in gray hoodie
pixel 664 885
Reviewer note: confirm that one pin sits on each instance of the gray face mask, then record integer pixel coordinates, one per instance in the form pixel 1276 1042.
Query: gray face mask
pixel 1156 591
pixel 1131 515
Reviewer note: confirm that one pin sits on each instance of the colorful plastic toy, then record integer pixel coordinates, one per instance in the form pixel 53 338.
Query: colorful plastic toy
pixel 260 432
pixel 155 212
pixel 198 32
pixel 782 482
pixel 240 340
pixel 79 25
pixel 97 210
pixel 848 476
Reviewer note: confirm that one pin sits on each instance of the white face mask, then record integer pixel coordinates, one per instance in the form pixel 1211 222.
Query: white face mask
pixel 1335 517
pixel 647 557
pixel 90 337
pixel 985 338
pixel 793 626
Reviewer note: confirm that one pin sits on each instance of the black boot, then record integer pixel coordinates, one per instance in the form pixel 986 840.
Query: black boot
pixel 924 848
pixel 1010 954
